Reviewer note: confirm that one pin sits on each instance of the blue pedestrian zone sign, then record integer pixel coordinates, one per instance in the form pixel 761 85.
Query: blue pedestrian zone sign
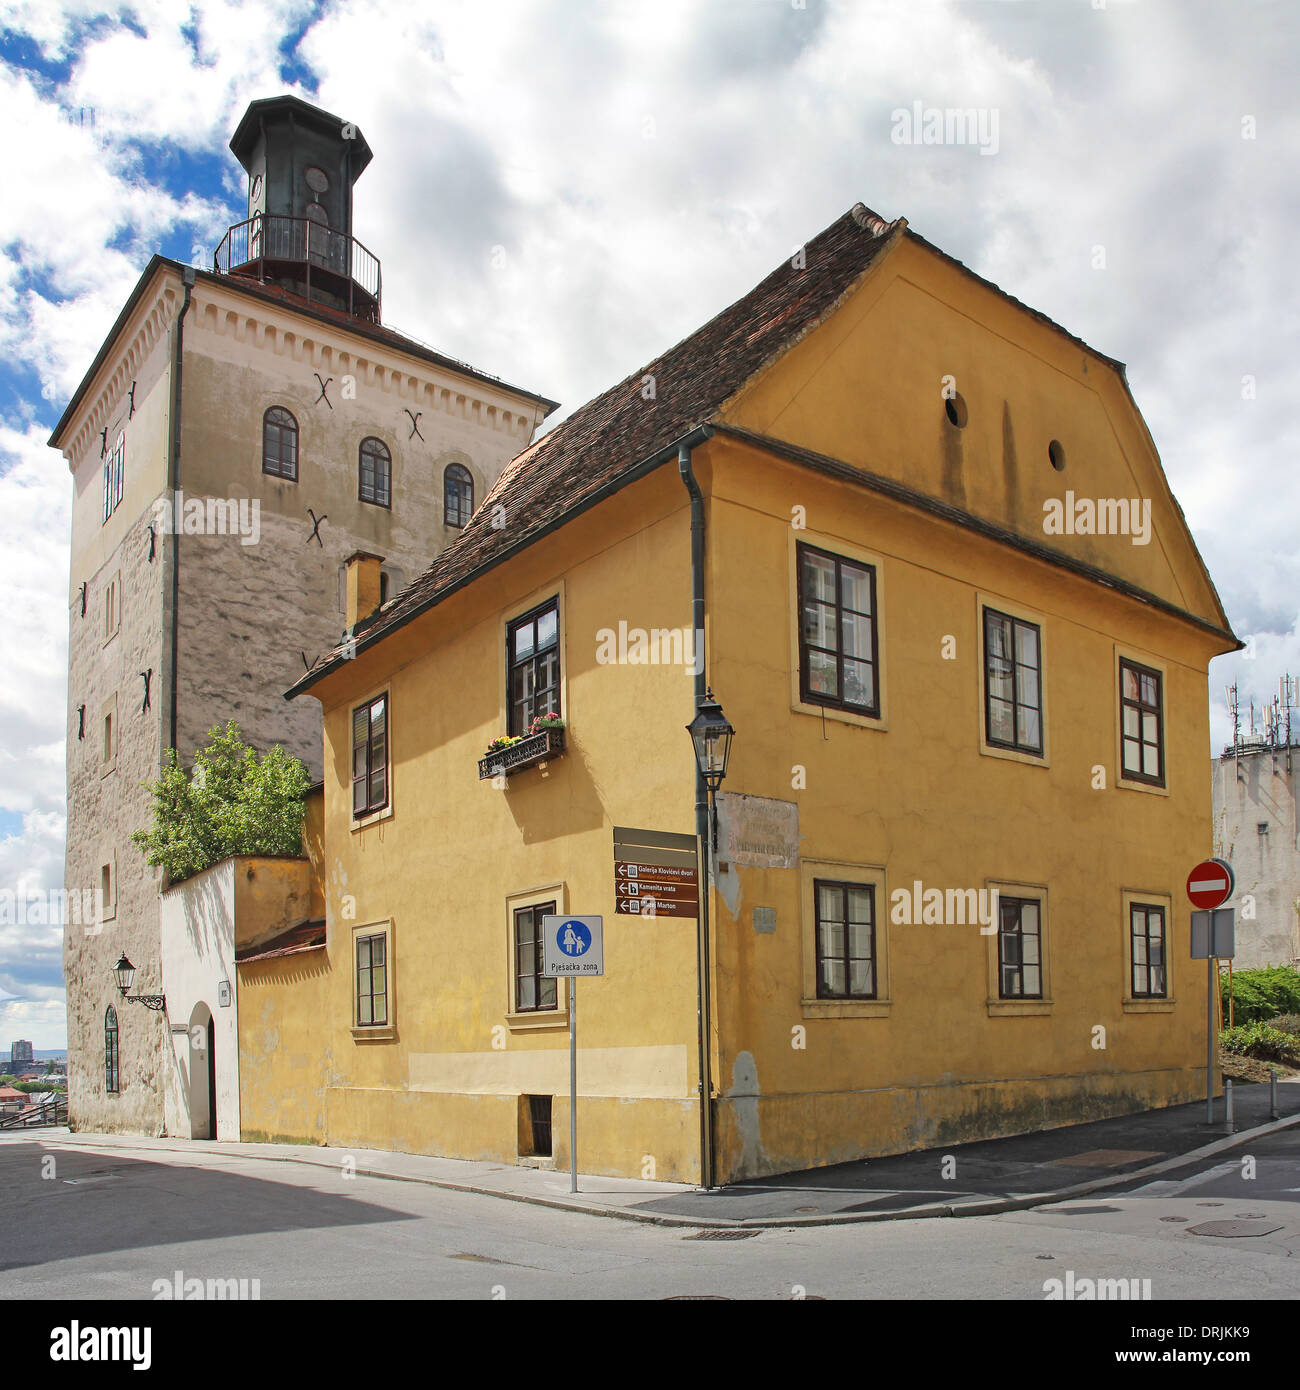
pixel 572 946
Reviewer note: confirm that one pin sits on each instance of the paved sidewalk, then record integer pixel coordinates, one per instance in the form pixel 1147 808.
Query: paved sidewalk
pixel 990 1176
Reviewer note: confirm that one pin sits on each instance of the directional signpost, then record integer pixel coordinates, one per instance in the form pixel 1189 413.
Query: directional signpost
pixel 656 874
pixel 573 946
pixel 1209 885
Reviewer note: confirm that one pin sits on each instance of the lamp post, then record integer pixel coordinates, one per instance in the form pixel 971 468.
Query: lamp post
pixel 125 973
pixel 711 736
pixel 711 733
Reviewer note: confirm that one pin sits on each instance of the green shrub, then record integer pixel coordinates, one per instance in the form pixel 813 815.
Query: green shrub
pixel 1259 995
pixel 232 802
pixel 1263 1043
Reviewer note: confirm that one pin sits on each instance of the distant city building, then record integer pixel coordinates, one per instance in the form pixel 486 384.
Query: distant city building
pixel 1257 831
pixel 20 1052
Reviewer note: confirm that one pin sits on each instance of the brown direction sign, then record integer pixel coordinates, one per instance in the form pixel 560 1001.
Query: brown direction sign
pixel 656 873
pixel 650 906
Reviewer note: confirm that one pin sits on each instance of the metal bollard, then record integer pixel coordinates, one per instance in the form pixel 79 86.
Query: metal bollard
pixel 1272 1093
pixel 1228 1127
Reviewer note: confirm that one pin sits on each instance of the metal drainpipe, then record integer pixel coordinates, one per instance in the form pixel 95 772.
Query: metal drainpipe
pixel 173 483
pixel 704 1008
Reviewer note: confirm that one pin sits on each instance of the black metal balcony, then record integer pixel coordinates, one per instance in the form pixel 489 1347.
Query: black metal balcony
pixel 305 257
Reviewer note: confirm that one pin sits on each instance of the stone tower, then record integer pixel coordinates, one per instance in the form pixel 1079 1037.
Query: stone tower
pixel 241 432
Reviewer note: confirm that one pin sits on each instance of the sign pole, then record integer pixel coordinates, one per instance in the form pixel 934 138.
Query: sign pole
pixel 1209 885
pixel 573 1083
pixel 1209 1040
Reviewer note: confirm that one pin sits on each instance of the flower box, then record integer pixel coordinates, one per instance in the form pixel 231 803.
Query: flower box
pixel 534 748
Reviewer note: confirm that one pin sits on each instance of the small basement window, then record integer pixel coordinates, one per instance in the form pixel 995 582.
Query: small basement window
pixel 954 407
pixel 535 1126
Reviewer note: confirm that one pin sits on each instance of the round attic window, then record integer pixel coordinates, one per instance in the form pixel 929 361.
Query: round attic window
pixel 1056 454
pixel 954 407
pixel 317 179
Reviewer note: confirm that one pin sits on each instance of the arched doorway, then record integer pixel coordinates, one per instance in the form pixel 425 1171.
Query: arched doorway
pixel 203 1074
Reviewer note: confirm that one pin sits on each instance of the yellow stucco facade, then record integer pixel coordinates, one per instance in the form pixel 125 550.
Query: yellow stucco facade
pixel 844 443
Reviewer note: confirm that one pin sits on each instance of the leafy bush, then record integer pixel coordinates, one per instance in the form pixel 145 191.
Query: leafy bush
pixel 1260 1041
pixel 231 802
pixel 1262 994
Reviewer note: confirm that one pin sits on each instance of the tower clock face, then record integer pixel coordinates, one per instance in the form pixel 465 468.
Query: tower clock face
pixel 317 179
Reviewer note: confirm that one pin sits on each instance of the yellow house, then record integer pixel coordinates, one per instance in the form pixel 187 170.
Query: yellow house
pixel 917 540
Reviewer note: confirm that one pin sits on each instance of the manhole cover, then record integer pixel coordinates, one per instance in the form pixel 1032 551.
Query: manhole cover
pixel 807 1209
pixel 720 1235
pixel 1234 1228
pixel 1083 1211
pixel 1174 1218
pixel 696 1297
pixel 1209 1204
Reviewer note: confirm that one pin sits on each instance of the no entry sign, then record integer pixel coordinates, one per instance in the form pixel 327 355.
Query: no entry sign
pixel 1210 884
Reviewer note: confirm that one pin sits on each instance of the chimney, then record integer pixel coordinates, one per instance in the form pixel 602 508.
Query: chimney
pixel 363 586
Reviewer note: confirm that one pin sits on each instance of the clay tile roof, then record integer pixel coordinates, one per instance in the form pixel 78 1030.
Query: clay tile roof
pixel 306 936
pixel 571 466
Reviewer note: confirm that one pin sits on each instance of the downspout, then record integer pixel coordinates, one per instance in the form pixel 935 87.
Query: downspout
pixel 702 828
pixel 173 484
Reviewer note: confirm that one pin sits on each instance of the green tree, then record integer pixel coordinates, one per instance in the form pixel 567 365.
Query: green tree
pixel 231 802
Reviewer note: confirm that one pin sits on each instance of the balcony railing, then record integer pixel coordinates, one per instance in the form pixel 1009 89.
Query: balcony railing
pixel 536 748
pixel 268 245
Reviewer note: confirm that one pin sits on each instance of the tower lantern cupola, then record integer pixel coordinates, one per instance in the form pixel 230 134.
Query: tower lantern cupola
pixel 301 164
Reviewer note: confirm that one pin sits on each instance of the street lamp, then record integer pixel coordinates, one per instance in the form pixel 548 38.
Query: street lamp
pixel 125 973
pixel 711 733
pixel 711 736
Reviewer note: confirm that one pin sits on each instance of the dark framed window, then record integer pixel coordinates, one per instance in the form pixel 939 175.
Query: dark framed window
pixel 370 757
pixel 1146 926
pixel 372 980
pixel 114 475
pixel 837 632
pixel 1142 727
pixel 457 495
pixel 280 444
pixel 533 990
pixel 846 939
pixel 375 473
pixel 112 1078
pixel 533 665
pixel 1020 948
pixel 1013 683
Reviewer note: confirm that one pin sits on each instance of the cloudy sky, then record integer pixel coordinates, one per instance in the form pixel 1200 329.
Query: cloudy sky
pixel 563 188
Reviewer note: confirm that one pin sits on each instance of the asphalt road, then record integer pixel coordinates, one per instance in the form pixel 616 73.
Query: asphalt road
pixel 80 1224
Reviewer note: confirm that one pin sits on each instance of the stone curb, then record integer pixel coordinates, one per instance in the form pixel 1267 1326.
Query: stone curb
pixel 977 1206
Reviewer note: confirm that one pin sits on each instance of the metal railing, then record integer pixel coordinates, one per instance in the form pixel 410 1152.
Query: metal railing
pixel 48 1112
pixel 273 237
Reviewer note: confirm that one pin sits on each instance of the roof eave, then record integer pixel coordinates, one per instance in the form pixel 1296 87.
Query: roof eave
pixel 697 434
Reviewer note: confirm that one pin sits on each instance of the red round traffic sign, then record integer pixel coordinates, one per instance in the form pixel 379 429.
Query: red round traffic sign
pixel 1210 884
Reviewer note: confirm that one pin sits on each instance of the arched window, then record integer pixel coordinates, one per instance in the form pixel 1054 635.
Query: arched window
pixel 457 495
pixel 110 1051
pixel 280 444
pixel 375 473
